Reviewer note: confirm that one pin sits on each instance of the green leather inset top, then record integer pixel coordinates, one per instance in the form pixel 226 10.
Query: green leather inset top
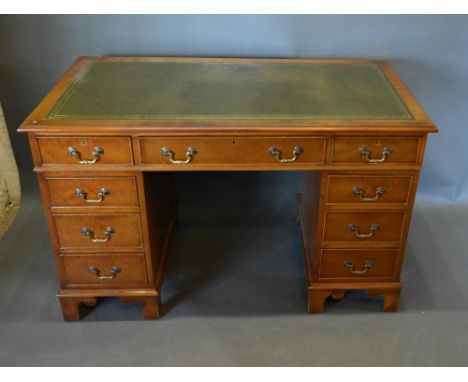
pixel 235 90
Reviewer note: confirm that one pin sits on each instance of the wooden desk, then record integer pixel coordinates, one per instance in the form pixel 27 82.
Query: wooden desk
pixel 106 138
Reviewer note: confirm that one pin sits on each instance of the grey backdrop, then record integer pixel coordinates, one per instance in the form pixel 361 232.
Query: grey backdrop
pixel 430 53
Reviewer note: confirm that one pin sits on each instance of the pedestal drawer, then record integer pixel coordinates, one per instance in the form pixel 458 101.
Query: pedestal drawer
pixel 95 232
pixel 357 264
pixel 186 152
pixel 361 229
pixel 376 150
pixel 85 151
pixel 104 271
pixel 89 192
pixel 369 189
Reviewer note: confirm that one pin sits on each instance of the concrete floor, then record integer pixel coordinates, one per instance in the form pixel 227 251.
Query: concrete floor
pixel 234 292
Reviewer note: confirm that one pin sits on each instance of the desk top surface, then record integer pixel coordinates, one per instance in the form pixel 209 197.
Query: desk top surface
pixel 203 92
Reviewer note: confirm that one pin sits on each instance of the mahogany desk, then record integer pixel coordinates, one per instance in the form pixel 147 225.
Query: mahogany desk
pixel 107 136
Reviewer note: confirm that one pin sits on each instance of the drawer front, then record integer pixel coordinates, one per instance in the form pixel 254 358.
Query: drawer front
pixel 357 264
pixel 369 189
pixel 376 150
pixel 98 231
pixel 249 151
pixel 89 192
pixel 90 151
pixel 104 271
pixel 363 228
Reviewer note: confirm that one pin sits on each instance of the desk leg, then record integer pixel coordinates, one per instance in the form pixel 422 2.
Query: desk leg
pixel 391 299
pixel 70 306
pixel 391 302
pixel 316 300
pixel 151 305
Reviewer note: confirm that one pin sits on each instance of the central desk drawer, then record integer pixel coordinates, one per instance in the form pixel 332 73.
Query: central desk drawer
pixel 226 151
pixel 94 231
pixel 361 229
pixel 104 271
pixel 85 151
pixel 89 192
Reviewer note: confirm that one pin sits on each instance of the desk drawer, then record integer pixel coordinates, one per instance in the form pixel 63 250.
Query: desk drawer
pixel 95 232
pixel 85 151
pixel 360 229
pixel 357 264
pixel 104 271
pixel 369 189
pixel 376 150
pixel 226 151
pixel 89 192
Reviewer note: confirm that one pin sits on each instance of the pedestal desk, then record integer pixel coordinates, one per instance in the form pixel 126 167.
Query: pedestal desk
pixel 107 137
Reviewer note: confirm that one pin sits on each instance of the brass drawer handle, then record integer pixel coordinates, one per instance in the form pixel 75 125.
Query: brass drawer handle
pixel 97 152
pixel 97 272
pixel 354 228
pixel 366 154
pixel 103 192
pixel 273 151
pixel 350 266
pixel 190 153
pixel 107 235
pixel 360 192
